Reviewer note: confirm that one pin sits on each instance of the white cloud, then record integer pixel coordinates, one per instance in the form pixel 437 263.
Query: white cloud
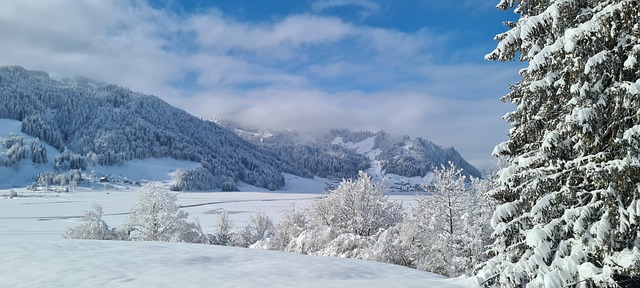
pixel 216 32
pixel 302 71
pixel 367 7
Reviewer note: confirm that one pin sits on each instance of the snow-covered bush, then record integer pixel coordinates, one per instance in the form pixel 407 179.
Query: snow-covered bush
pixel 93 227
pixel 346 223
pixel 260 227
pixel 224 235
pixel 293 223
pixel 446 231
pixel 156 216
pixel 359 206
pixel 193 233
pixel 313 240
pixel 396 246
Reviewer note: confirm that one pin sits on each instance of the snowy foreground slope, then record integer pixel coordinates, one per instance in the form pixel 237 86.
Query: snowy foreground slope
pixel 84 263
pixel 34 254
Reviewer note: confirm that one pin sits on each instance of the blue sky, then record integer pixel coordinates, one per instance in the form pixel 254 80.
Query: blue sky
pixel 408 67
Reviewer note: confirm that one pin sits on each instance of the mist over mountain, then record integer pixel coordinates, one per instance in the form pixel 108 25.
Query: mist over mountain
pixel 341 153
pixel 94 123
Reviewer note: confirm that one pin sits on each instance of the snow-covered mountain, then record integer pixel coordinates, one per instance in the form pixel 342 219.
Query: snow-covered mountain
pixel 403 162
pixel 76 124
pixel 101 124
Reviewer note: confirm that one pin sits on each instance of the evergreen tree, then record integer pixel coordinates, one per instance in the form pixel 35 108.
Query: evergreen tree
pixel 569 199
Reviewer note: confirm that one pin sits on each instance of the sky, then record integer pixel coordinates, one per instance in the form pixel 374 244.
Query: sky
pixel 407 67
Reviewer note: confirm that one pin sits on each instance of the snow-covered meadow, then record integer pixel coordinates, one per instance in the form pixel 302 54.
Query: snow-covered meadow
pixel 34 253
pixel 85 263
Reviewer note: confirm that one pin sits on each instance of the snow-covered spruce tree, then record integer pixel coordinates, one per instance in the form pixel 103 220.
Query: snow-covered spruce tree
pixel 156 216
pixel 570 197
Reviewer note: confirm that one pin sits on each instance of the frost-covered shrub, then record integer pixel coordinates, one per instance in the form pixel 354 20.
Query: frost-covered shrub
pixel 93 227
pixel 156 216
pixel 293 223
pixel 224 235
pixel 348 245
pixel 357 206
pixel 312 240
pixel 446 231
pixel 260 227
pixel 346 223
pixel 395 245
pixel 193 233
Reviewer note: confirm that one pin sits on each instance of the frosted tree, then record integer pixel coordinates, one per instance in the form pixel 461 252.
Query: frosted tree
pixel 345 223
pixel 156 216
pixel 444 231
pixel 259 227
pixel 359 206
pixel 293 223
pixel 224 234
pixel 93 227
pixel 569 199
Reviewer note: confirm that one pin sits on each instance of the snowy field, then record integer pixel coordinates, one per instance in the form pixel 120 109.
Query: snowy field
pixel 34 254
pixel 85 263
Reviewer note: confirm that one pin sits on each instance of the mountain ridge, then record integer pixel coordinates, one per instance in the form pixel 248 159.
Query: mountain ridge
pixel 378 153
pixel 108 125
pixel 93 122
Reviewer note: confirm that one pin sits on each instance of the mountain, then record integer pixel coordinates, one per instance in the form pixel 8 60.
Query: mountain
pixel 74 124
pixel 96 123
pixel 337 154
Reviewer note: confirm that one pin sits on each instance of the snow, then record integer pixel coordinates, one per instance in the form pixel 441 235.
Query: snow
pixel 135 170
pixel 146 170
pixel 82 263
pixel 9 126
pixel 35 255
pixel 393 181
pixel 596 60
pixel 630 62
pixel 365 147
pixel 10 177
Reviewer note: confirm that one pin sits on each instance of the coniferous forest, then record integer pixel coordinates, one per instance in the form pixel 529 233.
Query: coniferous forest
pixel 103 124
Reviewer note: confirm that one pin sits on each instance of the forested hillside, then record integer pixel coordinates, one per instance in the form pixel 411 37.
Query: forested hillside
pixel 108 125
pixel 342 153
